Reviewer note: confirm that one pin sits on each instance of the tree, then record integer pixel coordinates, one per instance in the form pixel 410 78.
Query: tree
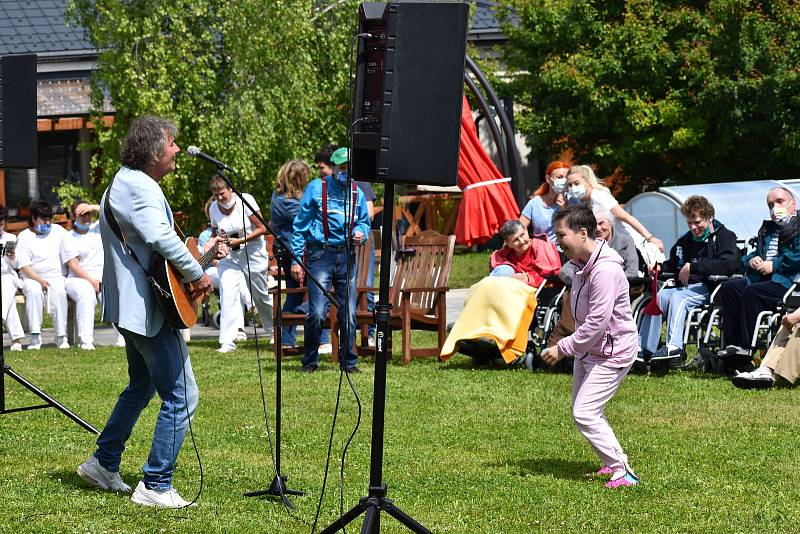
pixel 665 92
pixel 253 82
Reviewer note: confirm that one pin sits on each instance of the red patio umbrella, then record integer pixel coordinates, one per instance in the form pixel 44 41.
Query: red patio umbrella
pixel 487 200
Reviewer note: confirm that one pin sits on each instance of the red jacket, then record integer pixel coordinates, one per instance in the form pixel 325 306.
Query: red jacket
pixel 540 260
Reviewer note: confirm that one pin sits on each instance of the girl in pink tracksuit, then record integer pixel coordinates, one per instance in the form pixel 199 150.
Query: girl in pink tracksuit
pixel 605 341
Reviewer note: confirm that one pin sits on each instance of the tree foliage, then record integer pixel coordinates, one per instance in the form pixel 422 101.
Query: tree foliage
pixel 253 82
pixel 667 92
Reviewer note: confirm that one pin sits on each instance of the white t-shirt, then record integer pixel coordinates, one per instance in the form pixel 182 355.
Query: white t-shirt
pixel 232 224
pixel 8 265
pixel 41 251
pixel 603 198
pixel 88 248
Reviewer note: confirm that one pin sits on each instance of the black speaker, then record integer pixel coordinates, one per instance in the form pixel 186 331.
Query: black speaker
pixel 18 139
pixel 409 89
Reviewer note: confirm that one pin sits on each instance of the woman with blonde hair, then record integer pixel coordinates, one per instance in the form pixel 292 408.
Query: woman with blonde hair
pixel 546 201
pixel 289 186
pixel 583 188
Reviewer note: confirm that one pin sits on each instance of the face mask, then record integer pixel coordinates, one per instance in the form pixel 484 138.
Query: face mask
pixel 705 235
pixel 80 226
pixel 780 215
pixel 42 229
pixel 577 192
pixel 341 176
pixel 560 185
pixel 227 205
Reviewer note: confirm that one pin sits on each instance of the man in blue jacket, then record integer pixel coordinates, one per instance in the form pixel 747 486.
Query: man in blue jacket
pixel 330 217
pixel 158 361
pixel 770 270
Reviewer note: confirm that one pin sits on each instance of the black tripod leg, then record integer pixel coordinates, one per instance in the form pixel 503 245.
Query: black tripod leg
pixel 49 400
pixel 372 518
pixel 404 518
pixel 348 516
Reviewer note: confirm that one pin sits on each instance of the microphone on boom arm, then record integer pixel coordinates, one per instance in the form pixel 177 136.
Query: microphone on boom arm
pixel 197 153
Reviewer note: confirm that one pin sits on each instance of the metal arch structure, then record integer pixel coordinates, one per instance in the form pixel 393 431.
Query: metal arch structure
pixel 502 135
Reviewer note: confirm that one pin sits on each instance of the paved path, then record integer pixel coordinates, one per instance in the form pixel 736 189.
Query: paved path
pixel 105 335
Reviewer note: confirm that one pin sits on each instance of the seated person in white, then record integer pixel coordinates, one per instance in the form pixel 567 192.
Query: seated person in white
pixel 82 253
pixel 42 274
pixel 10 283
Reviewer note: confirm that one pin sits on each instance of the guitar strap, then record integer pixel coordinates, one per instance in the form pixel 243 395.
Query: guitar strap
pixel 159 291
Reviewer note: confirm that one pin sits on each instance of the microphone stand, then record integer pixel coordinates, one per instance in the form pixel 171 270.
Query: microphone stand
pixel 278 485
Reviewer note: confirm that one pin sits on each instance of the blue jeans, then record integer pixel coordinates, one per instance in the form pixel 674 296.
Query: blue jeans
pixel 329 266
pixel 294 304
pixel 371 283
pixel 155 365
pixel 675 303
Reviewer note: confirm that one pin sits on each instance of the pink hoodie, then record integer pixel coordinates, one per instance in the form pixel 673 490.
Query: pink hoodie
pixel 605 331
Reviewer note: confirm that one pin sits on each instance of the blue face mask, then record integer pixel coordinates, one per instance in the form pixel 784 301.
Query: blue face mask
pixel 342 177
pixel 80 226
pixel 42 229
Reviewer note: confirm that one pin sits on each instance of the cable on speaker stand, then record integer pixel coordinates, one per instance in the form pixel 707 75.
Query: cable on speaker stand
pixel 344 339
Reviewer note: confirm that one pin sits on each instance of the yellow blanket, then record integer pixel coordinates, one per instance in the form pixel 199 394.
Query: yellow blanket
pixel 498 308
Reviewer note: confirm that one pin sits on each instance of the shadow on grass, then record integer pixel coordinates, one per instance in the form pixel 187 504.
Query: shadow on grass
pixel 556 467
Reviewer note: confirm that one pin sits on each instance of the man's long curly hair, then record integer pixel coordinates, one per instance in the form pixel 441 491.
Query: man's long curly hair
pixel 146 141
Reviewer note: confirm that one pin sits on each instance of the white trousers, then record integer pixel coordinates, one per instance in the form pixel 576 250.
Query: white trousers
pixel 233 281
pixel 82 292
pixel 55 300
pixel 10 315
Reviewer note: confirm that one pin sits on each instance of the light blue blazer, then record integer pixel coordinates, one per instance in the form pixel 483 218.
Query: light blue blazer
pixel 145 218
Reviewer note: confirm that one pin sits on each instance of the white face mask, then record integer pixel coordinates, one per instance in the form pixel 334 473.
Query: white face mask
pixel 227 205
pixel 779 214
pixel 577 192
pixel 560 185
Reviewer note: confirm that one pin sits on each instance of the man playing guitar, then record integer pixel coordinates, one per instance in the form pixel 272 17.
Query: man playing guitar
pixel 158 360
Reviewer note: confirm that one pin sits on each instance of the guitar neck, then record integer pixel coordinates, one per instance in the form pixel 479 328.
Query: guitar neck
pixel 209 256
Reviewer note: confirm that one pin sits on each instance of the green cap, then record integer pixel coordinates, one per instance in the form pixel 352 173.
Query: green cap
pixel 342 155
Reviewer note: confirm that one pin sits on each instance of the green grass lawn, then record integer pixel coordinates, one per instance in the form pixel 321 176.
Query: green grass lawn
pixel 467 451
pixel 468 267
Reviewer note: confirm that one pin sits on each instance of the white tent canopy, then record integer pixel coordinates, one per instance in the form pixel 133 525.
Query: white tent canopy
pixel 740 206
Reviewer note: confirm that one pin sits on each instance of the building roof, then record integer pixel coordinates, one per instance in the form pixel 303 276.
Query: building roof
pixel 484 17
pixel 39 26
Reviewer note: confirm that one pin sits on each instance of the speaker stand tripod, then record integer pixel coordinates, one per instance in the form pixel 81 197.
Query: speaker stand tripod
pixel 50 402
pixel 376 501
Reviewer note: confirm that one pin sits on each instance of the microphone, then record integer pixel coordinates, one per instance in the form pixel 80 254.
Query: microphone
pixel 197 153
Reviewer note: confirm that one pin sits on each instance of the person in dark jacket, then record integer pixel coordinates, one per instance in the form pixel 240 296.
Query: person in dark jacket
pixel 770 270
pixel 708 248
pixel 291 181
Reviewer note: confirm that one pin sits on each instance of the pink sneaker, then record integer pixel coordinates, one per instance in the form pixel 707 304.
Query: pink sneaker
pixel 604 471
pixel 629 479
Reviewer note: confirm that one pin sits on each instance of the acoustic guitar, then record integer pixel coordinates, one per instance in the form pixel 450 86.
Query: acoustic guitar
pixel 180 310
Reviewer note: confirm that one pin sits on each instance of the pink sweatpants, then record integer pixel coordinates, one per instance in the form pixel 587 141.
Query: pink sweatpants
pixel 593 385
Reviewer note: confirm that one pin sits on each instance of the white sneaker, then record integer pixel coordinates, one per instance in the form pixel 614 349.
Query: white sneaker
pixel 96 475
pixel 36 342
pixel 325 348
pixel 86 346
pixel 371 342
pixel 241 335
pixel 227 347
pixel 61 342
pixel 16 346
pixel 160 498
pixel 120 341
